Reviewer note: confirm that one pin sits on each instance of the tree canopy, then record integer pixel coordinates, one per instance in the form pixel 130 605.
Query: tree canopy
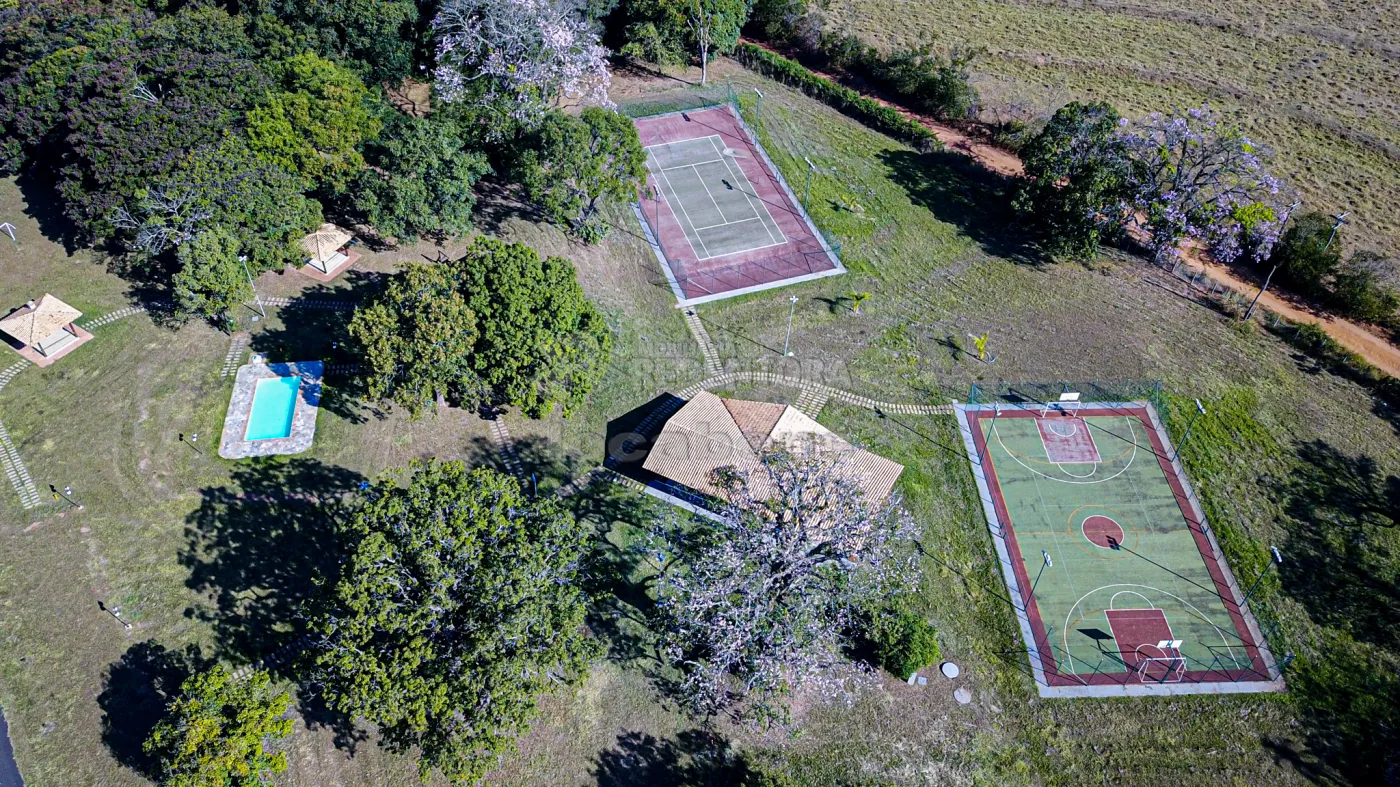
pixel 520 55
pixel 1307 254
pixel 499 325
pixel 765 599
pixel 577 163
pixel 421 181
pixel 542 341
pixel 1076 179
pixel 456 608
pixel 313 126
pixel 418 337
pixel 675 31
pixel 211 280
pixel 217 730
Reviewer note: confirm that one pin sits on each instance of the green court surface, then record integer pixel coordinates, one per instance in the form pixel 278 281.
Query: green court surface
pixel 1119 582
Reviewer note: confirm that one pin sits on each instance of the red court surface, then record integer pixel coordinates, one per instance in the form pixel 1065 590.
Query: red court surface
pixel 1139 634
pixel 762 239
pixel 1067 440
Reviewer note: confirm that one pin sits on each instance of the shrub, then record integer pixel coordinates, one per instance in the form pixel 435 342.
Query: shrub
pixel 1364 288
pixel 880 117
pixel 1304 257
pixel 904 642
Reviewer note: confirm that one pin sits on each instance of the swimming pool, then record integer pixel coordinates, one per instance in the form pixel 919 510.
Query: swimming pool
pixel 274 404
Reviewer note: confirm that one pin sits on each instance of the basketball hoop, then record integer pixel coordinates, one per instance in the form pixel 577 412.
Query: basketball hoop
pixel 1067 398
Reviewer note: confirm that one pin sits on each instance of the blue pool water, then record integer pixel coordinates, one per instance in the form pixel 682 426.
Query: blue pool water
pixel 274 404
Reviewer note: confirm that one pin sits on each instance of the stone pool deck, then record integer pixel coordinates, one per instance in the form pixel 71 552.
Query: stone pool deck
pixel 240 405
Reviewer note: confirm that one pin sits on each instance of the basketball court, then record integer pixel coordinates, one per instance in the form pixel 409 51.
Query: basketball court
pixel 1117 580
pixel 717 212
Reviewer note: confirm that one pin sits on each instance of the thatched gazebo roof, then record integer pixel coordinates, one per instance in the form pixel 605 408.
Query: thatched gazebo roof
pixel 39 320
pixel 325 242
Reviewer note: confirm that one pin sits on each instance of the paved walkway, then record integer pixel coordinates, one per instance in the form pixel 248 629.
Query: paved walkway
pixel 237 345
pixel 702 338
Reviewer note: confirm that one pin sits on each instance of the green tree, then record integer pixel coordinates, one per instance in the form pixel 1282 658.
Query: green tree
pixel 457 607
pixel 215 733
pixel 421 181
pixel 375 37
pixel 417 337
pixel 904 641
pixel 315 124
pixel 1307 254
pixel 211 280
pixel 579 162
pixel 1075 179
pixel 661 31
pixel 542 341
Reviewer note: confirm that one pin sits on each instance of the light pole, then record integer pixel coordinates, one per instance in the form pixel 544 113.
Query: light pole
pixel 1044 564
pixel 758 109
pixel 244 259
pixel 1200 411
pixel 1341 219
pixel 808 193
pixel 793 308
pixel 1270 277
pixel 1277 559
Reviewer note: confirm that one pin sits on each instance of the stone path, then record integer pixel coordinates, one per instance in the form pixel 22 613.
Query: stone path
pixel 819 391
pixel 111 317
pixel 500 435
pixel 9 456
pixel 811 401
pixel 702 338
pixel 234 357
pixel 324 304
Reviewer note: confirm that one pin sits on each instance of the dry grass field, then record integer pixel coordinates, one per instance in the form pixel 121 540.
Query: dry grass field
pixel 1319 82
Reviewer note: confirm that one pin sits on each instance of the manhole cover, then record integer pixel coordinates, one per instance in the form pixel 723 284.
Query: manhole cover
pixel 963 696
pixel 950 670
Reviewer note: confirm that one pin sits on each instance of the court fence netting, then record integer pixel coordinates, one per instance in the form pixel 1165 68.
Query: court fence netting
pixel 1028 393
pixel 789 264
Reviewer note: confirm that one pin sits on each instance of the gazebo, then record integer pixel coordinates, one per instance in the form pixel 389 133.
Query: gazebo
pixel 326 252
pixel 45 329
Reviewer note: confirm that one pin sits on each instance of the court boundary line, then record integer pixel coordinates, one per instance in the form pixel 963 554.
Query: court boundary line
pixel 688 222
pixel 772 223
pixel 1049 680
pixel 769 224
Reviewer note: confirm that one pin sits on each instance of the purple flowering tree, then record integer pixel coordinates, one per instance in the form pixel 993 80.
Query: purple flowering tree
pixel 764 600
pixel 1193 177
pixel 529 53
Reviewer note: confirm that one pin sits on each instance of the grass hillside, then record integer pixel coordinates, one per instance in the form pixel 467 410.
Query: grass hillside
pixel 1319 82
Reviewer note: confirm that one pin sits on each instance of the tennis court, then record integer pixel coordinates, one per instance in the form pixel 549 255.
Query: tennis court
pixel 720 217
pixel 1117 580
pixel 719 210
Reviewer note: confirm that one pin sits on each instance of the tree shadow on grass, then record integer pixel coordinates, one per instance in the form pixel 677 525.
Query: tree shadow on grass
pixel 256 547
pixel 1342 544
pixel 1342 564
pixel 960 191
pixel 138 688
pixel 694 758
pixel 321 335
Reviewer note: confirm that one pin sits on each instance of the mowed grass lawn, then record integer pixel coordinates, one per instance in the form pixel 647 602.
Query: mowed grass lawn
pixel 1316 82
pixel 200 551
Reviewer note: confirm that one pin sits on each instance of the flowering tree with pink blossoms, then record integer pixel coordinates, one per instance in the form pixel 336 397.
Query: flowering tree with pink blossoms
pixel 1194 177
pixel 527 53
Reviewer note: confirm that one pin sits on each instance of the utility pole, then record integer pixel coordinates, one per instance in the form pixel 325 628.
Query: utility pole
pixel 1270 277
pixel 793 308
